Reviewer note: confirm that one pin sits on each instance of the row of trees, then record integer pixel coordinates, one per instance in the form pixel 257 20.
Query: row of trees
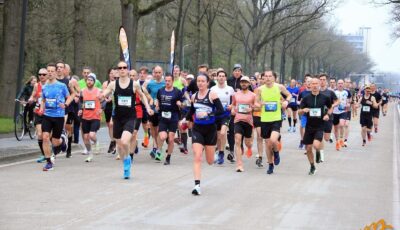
pixel 290 37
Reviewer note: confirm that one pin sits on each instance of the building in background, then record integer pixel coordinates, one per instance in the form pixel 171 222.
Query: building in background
pixel 359 40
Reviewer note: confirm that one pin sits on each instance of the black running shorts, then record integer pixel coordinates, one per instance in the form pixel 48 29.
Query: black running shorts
pixel 244 128
pixel 90 126
pixel 268 127
pixel 366 121
pixel 311 134
pixel 204 134
pixel 53 125
pixel 121 125
pixel 167 126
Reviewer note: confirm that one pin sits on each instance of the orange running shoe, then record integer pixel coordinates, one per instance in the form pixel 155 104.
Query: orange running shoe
pixel 249 153
pixel 145 142
pixel 338 145
pixel 342 143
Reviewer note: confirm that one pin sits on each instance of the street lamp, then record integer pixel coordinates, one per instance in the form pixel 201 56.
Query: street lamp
pixel 183 56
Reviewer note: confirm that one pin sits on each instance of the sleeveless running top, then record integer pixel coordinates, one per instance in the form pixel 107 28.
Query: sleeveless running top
pixel 204 110
pixel 91 104
pixel 124 101
pixel 366 108
pixel 271 100
pixel 38 95
pixel 139 106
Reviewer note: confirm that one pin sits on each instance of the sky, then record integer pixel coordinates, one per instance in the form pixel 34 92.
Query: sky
pixel 383 49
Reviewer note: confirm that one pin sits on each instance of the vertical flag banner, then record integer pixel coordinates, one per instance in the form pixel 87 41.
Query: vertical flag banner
pixel 123 40
pixel 171 64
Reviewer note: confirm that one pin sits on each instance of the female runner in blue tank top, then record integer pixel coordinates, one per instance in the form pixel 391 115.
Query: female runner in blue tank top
pixel 205 106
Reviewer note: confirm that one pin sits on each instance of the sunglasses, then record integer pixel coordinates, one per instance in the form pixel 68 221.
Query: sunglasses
pixel 42 74
pixel 122 67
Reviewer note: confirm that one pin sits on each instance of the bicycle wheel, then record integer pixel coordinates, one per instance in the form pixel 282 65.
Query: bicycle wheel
pixel 32 131
pixel 19 127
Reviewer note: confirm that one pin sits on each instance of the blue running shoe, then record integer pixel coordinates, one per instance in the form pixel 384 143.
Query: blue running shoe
pixel 48 167
pixel 270 169
pixel 220 160
pixel 41 159
pixel 127 167
pixel 153 153
pixel 277 158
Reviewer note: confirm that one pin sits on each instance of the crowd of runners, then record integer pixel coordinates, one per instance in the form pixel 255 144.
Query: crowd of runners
pixel 221 114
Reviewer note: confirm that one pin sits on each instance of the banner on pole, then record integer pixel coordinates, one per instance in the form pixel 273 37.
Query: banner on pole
pixel 123 40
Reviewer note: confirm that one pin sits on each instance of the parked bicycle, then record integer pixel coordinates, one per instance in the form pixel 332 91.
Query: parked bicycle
pixel 21 127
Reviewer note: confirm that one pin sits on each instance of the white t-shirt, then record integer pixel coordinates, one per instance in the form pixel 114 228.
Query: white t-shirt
pixel 342 97
pixel 224 94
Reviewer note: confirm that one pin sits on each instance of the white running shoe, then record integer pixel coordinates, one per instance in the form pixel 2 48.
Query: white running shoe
pixel 85 152
pixel 89 158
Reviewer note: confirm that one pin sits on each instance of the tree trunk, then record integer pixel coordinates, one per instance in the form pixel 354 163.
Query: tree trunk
pixel 10 56
pixel 79 35
pixel 130 17
pixel 159 35
pixel 283 65
pixel 230 53
pixel 209 46
pixel 303 69
pixel 295 66
pixel 198 35
pixel 181 35
pixel 253 60
pixel 264 66
pixel 273 54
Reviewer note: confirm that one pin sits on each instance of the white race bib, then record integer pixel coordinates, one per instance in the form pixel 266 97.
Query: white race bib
pixel 125 101
pixel 292 100
pixel 201 113
pixel 384 98
pixel 90 104
pixel 366 108
pixel 243 108
pixel 315 112
pixel 166 115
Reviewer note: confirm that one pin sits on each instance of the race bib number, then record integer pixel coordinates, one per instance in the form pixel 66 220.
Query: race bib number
pixel 243 108
pixel 125 101
pixel 90 105
pixel 366 108
pixel 202 114
pixel 384 98
pixel 166 115
pixel 315 112
pixel 51 103
pixel 271 106
pixel 292 100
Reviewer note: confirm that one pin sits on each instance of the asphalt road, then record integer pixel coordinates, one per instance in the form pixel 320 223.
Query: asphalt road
pixel 352 188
